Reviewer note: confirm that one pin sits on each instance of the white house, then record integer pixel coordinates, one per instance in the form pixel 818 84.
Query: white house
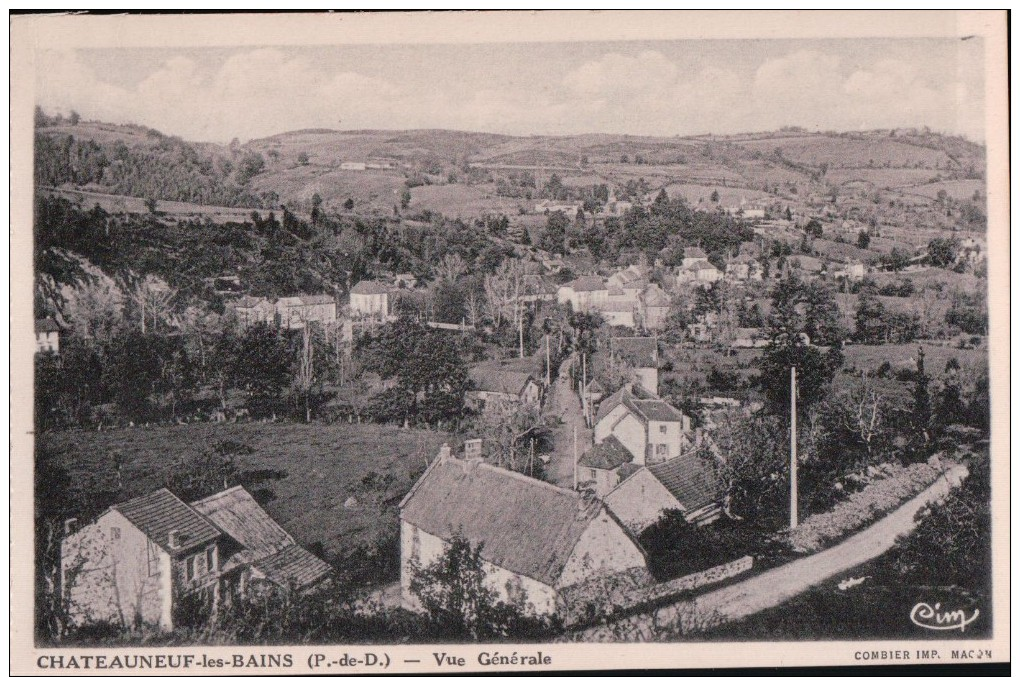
pixel 141 559
pixel 649 428
pixel 655 304
pixel 642 354
pixel 47 336
pixel 370 299
pixel 536 539
pixel 685 483
pixel 252 310
pixel 694 255
pixel 700 272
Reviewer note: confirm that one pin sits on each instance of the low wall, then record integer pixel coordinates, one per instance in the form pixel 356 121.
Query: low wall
pixel 608 597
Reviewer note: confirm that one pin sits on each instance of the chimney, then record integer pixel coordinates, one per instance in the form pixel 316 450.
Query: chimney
pixel 444 452
pixel 70 526
pixel 473 449
pixel 174 538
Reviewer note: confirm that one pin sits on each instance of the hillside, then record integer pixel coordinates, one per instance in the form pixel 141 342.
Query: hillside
pixel 288 169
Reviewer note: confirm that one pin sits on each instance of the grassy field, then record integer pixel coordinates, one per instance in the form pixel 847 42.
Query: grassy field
pixel 323 466
pixel 120 204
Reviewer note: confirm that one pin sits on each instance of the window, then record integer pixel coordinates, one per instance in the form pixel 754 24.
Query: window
pixel 662 449
pixel 115 533
pixel 210 559
pixel 191 567
pixel 593 472
pixel 662 430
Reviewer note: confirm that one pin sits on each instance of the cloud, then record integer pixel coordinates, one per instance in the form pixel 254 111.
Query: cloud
pixel 259 92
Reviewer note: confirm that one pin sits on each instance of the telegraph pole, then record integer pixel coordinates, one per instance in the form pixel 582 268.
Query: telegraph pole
pixel 548 375
pixel 575 458
pixel 793 447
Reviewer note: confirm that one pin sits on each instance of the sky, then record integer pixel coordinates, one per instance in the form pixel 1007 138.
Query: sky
pixel 661 88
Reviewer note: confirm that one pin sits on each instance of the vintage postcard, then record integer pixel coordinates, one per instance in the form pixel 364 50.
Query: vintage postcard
pixel 487 341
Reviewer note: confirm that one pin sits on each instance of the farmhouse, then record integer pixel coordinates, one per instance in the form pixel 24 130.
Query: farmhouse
pixel 497 382
pixel 693 255
pixel 702 272
pixel 536 539
pixel 585 293
pixel 370 299
pixel 599 467
pixel 141 560
pixel 684 483
pixel 619 312
pixel 649 428
pixel 47 336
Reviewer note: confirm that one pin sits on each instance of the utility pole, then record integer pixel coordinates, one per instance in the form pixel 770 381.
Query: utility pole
pixel 584 385
pixel 548 374
pixel 520 327
pixel 575 458
pixel 793 447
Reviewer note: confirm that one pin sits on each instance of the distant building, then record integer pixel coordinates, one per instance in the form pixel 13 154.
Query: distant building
pixel 353 166
pixel 370 299
pixel 294 311
pixel 496 382
pixel 405 281
pixel 536 539
pixel 749 337
pixel 699 272
pixel 655 305
pixel 585 294
pixel 617 207
pixel 548 207
pixel 47 336
pixel 598 469
pixel 694 255
pixel 252 310
pixel 642 354
pixel 684 483
pixel 538 288
pixel 142 559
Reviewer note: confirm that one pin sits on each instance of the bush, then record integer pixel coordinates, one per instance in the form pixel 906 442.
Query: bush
pixel 877 499
pixel 676 547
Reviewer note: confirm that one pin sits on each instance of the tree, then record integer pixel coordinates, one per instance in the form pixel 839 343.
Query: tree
pixel 302 158
pixel 714 197
pixel 152 204
pixel 460 604
pixel 514 436
pixel 316 207
pixel 503 290
pixel 349 203
pixel 74 118
pixel 262 363
pixel 405 197
pixel 813 227
pixel 450 268
pixel 942 252
pixel 755 470
pixel 863 413
pixel 920 413
pixel 554 236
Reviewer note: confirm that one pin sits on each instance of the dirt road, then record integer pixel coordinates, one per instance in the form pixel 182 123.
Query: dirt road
pixel 564 403
pixel 776 585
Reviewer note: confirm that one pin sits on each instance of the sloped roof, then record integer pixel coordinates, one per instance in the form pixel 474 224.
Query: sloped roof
pixel 702 265
pixel 524 525
pixel 690 480
pixel 622 396
pixel 658 410
pixel 587 283
pixel 607 454
pixel 370 287
pixel 493 379
pixel 641 403
pixel 265 544
pixel 238 514
pixel 159 513
pixel 249 302
pixel 655 297
pixel 694 253
pixel 638 351
pixel 46 325
pixel 293 566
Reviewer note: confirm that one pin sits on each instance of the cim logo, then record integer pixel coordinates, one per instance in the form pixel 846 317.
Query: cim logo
pixel 933 618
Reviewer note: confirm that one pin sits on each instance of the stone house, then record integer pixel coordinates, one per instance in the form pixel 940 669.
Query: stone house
pixel 293 312
pixel 655 304
pixel 685 483
pixel 536 539
pixel 640 353
pixel 496 382
pixel 141 560
pixel 585 294
pixel 252 310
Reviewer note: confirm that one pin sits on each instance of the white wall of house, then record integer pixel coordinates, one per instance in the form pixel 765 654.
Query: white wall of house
pixel 619 318
pixel 655 317
pixel 535 596
pixel 665 440
pixel 632 434
pixel 604 548
pixel 47 342
pixel 648 378
pixel 604 427
pixel 602 480
pixel 639 500
pixel 112 572
pixel 370 304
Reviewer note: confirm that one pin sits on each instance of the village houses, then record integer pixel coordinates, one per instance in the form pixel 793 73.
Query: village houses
pixel 655 304
pixel 685 483
pixel 141 560
pixel 536 539
pixel 252 310
pixel 586 293
pixel 294 311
